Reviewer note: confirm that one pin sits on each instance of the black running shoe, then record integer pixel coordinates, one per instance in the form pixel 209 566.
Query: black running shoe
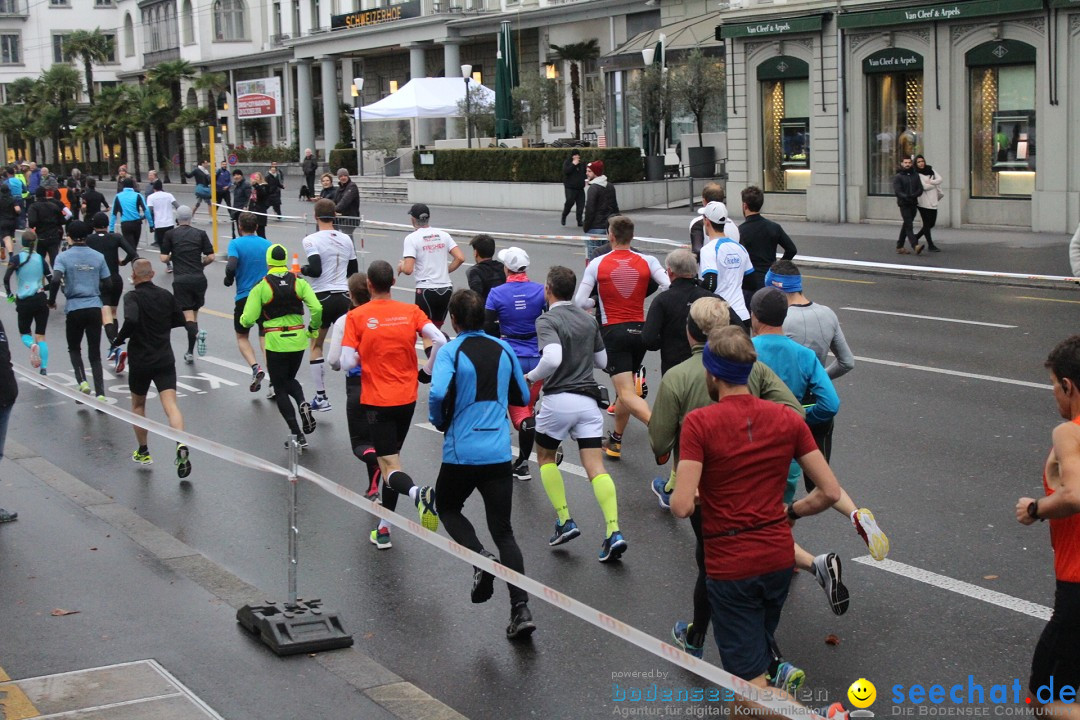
pixel 521 471
pixel 521 622
pixel 183 464
pixel 483 583
pixel 307 419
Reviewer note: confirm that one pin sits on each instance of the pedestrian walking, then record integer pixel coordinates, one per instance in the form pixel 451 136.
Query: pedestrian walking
pixel 201 174
pixel 908 188
pixel 601 203
pixel 223 180
pixel 574 186
pixel 1056 654
pixel 760 236
pixel 31 303
pixel 279 300
pixel 309 165
pixel 246 267
pixel 81 270
pixel 928 201
pixel 9 393
pixel 275 183
pixel 150 314
pixel 188 251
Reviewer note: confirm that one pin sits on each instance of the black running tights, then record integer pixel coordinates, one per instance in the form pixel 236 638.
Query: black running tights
pixel 86 322
pixel 282 368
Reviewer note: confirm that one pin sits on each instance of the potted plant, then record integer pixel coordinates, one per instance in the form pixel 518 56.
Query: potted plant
pixel 654 104
pixel 388 142
pixel 698 87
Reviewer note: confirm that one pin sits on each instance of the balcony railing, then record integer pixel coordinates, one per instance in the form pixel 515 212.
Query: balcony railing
pixel 279 39
pixel 150 59
pixel 14 9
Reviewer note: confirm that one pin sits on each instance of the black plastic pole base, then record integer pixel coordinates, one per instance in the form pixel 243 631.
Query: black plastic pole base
pixel 292 629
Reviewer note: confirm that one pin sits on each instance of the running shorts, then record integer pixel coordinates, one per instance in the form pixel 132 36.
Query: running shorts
pixel 565 415
pixel 33 314
pixel 625 347
pixel 1056 659
pixel 163 378
pixel 190 294
pixel 334 305
pixel 238 311
pixel 434 302
pixel 111 290
pixel 388 426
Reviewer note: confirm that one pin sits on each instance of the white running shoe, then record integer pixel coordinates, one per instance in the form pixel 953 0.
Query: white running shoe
pixel 868 530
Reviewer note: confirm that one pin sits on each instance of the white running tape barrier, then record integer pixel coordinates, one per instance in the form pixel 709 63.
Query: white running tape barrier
pixel 762 697
pixel 222 206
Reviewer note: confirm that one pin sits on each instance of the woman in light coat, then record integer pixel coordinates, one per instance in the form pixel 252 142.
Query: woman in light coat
pixel 928 201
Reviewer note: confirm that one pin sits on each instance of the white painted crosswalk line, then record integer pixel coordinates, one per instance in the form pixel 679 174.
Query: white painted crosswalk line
pixel 566 467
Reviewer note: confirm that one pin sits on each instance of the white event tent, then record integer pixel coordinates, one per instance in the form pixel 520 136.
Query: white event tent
pixel 424 98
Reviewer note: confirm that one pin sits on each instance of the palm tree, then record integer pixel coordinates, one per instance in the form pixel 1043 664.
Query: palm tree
pixel 17 113
pixel 168 76
pixel 150 107
pixel 196 119
pixel 106 119
pixel 90 46
pixel 575 53
pixel 58 92
pixel 213 84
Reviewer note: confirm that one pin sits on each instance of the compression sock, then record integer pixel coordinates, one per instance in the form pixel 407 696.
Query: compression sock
pixel 526 435
pixel 399 480
pixel 192 334
pixel 555 489
pixel 427 352
pixel 604 489
pixel 110 331
pixel 317 375
pixel 670 487
pixel 43 351
pixel 27 340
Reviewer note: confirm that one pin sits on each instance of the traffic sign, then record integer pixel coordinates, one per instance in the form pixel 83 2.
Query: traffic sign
pixel 233 159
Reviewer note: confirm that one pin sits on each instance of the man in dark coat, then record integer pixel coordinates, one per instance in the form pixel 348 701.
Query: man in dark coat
pixel 574 185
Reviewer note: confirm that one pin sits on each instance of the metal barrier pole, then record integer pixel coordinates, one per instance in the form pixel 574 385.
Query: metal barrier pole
pixel 294 532
pixel 363 253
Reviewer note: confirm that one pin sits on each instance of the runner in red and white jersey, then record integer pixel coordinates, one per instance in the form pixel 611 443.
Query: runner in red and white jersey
pixel 622 278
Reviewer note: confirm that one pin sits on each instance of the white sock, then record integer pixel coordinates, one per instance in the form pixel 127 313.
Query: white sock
pixel 383 525
pixel 414 493
pixel 317 376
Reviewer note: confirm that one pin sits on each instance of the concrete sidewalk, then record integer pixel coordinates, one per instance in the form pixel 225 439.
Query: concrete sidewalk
pixel 91 590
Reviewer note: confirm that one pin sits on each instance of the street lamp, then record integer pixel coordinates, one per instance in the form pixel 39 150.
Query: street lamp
pixel 466 72
pixel 357 90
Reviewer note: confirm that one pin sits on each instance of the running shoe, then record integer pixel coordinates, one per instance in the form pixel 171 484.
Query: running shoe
pixel 43 371
pixel 679 634
pixel 84 387
pixel 307 420
pixel 934 248
pixel 270 394
pixel 168 267
pixel 200 343
pixel 641 385
pixel 35 356
pixel 102 398
pixel 788 678
pixel 301 442
pixel 143 458
pixel 183 464
pixel 919 248
pixel 613 547
pixel 558 456
pixel 611 409
pixel 120 361
pixel 564 533
pixel 7 516
pixel 521 471
pixel 868 530
pixel 613 447
pixel 425 503
pixel 189 358
pixel 380 538
pixel 320 403
pixel 257 376
pixel 827 570
pixel 521 622
pixel 658 485
pixel 483 583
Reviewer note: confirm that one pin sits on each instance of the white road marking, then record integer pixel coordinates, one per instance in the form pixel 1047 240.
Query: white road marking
pixel 959 586
pixel 955 373
pixel 929 317
pixel 566 467
pixel 225 364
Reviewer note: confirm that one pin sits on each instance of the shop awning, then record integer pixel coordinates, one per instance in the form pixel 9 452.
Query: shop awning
pixel 424 98
pixel 902 14
pixel 679 37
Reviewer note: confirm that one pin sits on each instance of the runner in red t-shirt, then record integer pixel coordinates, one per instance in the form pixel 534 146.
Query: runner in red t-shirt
pixel 734 456
pixel 1056 662
pixel 621 279
pixel 380 336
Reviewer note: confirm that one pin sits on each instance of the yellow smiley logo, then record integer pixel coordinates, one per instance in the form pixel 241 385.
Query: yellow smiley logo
pixel 862 693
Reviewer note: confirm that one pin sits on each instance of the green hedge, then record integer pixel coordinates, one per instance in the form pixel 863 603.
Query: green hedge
pixel 342 159
pixel 525 165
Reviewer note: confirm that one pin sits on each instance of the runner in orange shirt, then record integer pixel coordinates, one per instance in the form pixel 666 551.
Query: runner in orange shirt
pixel 381 336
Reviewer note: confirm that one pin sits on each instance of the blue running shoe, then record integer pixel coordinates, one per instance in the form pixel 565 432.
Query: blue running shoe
pixel 564 533
pixel 200 343
pixel 679 634
pixel 613 547
pixel 788 678
pixel 658 485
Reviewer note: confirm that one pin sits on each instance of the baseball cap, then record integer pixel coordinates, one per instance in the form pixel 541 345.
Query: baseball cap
pixel 769 306
pixel 420 211
pixel 715 211
pixel 514 258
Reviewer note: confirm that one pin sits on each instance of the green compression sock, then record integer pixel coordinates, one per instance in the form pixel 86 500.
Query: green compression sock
pixel 604 490
pixel 555 489
pixel 670 487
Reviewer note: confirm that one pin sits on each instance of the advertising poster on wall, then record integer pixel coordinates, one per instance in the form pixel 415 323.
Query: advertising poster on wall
pixel 258 98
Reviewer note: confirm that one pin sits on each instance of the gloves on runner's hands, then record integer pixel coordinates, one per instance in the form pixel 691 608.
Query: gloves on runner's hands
pixel 423 376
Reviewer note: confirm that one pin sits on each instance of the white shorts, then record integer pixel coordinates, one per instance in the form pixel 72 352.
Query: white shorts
pixel 569 414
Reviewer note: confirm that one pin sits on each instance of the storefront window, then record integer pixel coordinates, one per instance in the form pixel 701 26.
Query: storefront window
pixel 785 105
pixel 1003 147
pixel 894 117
